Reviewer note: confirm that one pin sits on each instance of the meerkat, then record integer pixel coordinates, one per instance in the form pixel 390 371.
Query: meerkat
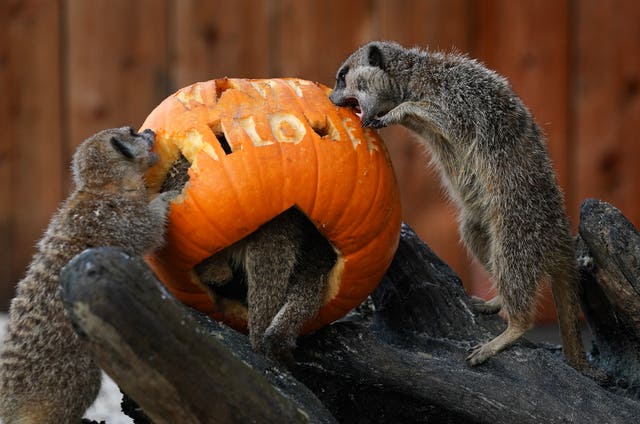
pixel 493 161
pixel 285 265
pixel 47 375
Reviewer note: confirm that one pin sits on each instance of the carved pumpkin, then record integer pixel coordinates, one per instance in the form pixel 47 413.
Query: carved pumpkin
pixel 257 148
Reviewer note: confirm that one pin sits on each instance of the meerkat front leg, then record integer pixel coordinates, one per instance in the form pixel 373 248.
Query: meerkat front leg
pixel 414 115
pixel 160 204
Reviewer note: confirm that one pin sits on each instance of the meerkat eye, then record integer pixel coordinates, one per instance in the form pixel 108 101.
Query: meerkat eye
pixel 340 79
pixel 120 147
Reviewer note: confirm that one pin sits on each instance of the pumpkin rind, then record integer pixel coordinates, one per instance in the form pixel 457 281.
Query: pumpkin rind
pixel 290 146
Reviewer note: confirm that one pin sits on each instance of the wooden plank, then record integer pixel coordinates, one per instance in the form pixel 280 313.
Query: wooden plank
pixel 528 42
pixel 607 104
pixel 116 64
pixel 438 25
pixel 214 39
pixel 6 165
pixel 312 38
pixel 30 132
pixel 434 24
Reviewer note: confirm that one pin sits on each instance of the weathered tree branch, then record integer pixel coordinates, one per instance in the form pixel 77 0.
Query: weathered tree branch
pixel 178 365
pixel 402 362
pixel 609 257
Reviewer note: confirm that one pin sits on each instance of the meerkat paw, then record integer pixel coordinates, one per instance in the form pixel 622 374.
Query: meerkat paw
pixel 168 196
pixel 489 307
pixel 375 123
pixel 160 203
pixel 598 375
pixel 278 348
pixel 480 353
pixel 214 271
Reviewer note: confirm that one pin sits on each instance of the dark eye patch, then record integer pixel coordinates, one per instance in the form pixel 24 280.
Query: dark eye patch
pixel 340 79
pixel 120 147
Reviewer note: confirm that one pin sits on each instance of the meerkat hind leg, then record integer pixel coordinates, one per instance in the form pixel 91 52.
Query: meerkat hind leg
pixel 305 292
pixel 267 278
pixel 303 302
pixel 516 328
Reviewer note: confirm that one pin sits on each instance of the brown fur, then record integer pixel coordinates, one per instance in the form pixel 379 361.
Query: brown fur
pixel 494 164
pixel 46 374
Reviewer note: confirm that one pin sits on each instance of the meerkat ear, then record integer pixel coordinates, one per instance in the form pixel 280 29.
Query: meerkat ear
pixel 375 57
pixel 117 144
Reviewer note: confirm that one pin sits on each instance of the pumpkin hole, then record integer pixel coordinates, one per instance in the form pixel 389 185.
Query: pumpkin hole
pixel 328 130
pixel 221 87
pixel 217 274
pixel 322 132
pixel 227 279
pixel 224 143
pixel 177 176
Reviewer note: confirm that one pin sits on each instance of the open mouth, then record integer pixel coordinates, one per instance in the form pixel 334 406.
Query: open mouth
pixel 352 102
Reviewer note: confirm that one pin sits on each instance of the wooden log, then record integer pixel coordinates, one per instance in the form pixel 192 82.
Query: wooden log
pixel 609 257
pixel 407 364
pixel 179 366
pixel 401 360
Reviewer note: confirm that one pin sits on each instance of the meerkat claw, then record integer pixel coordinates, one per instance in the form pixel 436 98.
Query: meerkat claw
pixel 479 354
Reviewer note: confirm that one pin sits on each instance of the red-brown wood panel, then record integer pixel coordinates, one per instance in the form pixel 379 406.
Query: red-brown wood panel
pixel 607 104
pixel 312 38
pixel 30 134
pixel 116 63
pixel 438 25
pixel 71 67
pixel 214 39
pixel 6 163
pixel 528 42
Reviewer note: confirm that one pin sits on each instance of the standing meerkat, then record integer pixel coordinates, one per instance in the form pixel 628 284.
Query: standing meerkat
pixel 46 374
pixel 286 265
pixel 493 160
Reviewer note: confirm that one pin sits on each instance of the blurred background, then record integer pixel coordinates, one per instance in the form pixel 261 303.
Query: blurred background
pixel 69 68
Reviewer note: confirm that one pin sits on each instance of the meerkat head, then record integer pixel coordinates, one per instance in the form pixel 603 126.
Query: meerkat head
pixel 366 81
pixel 112 156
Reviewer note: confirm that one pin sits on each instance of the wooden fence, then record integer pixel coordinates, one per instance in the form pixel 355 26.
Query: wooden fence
pixel 71 67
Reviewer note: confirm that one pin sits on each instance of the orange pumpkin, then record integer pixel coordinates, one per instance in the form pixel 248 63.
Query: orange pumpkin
pixel 290 146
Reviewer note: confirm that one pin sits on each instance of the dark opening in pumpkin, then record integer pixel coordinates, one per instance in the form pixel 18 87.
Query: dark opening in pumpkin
pixel 233 286
pixel 223 142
